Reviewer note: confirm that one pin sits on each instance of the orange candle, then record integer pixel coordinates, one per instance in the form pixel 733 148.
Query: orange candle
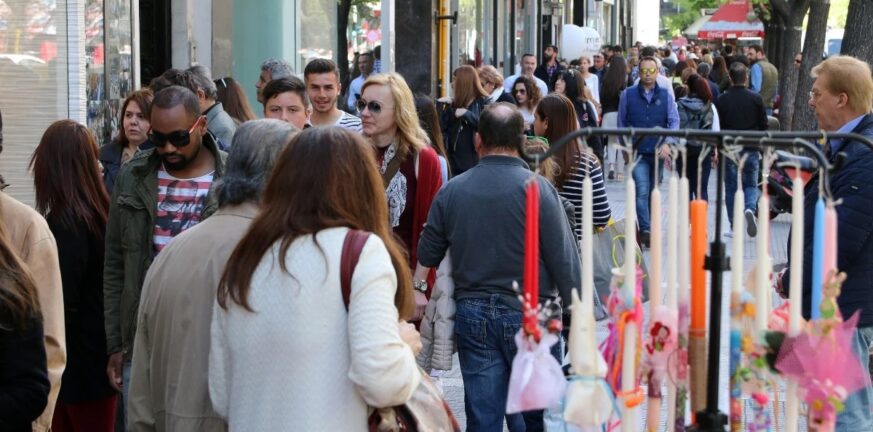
pixel 698 274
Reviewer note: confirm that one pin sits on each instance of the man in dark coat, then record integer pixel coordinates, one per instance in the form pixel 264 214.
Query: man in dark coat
pixel 841 96
pixel 548 70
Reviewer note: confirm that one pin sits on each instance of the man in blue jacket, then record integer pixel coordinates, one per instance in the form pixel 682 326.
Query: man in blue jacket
pixel 647 105
pixel 842 97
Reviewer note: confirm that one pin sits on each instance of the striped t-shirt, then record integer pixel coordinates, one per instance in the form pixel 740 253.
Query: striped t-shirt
pixel 572 190
pixel 180 203
pixel 349 122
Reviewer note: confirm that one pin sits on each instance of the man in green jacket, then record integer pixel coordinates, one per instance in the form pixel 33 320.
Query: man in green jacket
pixel 158 194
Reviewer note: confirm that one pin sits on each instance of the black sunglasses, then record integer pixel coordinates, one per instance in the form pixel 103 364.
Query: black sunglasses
pixel 178 139
pixel 521 91
pixel 373 106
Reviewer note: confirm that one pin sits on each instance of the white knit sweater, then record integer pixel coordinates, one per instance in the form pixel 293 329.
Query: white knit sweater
pixel 300 361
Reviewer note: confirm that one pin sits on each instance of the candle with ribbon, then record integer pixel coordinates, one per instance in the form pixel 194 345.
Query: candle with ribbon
pixel 672 270
pixel 531 259
pixel 683 292
pixel 736 401
pixel 630 352
pixel 792 401
pixel 657 345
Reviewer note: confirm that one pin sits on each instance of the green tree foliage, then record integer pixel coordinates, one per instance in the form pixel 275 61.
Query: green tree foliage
pixel 688 12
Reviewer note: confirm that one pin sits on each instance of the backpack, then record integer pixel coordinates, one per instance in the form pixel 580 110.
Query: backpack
pixel 690 118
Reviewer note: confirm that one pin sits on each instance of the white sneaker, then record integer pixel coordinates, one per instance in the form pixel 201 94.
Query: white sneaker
pixel 751 223
pixel 728 234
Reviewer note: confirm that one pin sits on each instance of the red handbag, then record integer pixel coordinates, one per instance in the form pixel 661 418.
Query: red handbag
pixel 426 410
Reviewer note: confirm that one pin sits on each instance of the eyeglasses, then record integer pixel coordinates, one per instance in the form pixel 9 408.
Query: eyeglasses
pixel 648 71
pixel 178 139
pixel 373 106
pixel 519 91
pixel 814 94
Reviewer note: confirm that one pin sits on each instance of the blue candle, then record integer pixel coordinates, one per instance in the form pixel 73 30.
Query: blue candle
pixel 818 239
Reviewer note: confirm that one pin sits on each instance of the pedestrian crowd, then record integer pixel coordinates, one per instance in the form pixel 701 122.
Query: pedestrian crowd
pixel 196 273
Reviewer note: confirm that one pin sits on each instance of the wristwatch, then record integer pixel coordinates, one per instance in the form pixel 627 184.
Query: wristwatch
pixel 420 285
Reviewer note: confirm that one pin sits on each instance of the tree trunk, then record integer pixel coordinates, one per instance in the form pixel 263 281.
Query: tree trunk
pixel 342 44
pixel 792 14
pixel 813 46
pixel 859 32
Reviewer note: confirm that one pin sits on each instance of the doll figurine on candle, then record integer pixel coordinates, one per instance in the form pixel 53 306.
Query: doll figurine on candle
pixel 613 348
pixel 808 359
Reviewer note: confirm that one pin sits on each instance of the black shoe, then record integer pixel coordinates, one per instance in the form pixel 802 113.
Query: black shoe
pixel 611 175
pixel 645 239
pixel 751 223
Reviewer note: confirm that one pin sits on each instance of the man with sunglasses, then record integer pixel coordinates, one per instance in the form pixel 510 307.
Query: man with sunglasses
pixel 647 105
pixel 158 194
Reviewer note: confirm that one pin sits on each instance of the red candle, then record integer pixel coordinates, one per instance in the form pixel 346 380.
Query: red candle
pixel 698 274
pixel 532 258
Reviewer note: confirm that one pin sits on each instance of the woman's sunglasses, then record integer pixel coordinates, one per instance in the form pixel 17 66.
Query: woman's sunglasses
pixel 373 106
pixel 178 139
pixel 519 91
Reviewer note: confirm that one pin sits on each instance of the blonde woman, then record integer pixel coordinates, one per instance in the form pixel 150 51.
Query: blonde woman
pixel 409 167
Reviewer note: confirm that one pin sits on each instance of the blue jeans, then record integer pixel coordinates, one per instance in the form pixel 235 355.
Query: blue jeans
pixel 857 414
pixel 644 178
pixel 751 170
pixel 485 332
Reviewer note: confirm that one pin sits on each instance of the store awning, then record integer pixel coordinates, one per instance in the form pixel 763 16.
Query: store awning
pixel 731 21
pixel 692 30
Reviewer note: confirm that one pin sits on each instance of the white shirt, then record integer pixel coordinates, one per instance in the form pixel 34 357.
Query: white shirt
pixel 593 84
pixel 349 122
pixel 509 82
pixel 355 89
pixel 301 361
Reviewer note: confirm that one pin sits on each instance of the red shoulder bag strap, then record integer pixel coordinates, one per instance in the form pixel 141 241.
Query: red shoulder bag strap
pixel 352 247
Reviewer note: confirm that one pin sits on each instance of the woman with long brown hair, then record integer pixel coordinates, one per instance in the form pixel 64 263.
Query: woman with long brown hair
pixel 234 100
pixel 410 168
pixel 527 95
pixel 24 383
pixel 430 122
pixel 71 196
pixel 132 137
pixel 556 117
pixel 459 118
pixel 280 299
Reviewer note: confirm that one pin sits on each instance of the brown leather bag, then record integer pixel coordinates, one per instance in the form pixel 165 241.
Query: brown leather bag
pixel 426 410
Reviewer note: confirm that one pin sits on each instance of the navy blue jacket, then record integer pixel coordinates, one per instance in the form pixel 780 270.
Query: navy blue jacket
pixel 852 184
pixel 634 110
pixel 110 158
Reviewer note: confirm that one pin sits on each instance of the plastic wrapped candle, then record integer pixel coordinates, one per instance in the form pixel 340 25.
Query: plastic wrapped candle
pixel 792 401
pixel 818 240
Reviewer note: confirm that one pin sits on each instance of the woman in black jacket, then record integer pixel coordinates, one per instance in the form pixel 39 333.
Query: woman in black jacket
pixel 571 84
pixel 24 383
pixel 459 118
pixel 132 137
pixel 614 82
pixel 71 196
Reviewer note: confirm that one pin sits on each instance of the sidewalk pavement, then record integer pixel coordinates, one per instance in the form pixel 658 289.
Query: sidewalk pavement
pixel 452 381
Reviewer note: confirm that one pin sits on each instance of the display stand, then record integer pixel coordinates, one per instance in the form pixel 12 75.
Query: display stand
pixel 711 419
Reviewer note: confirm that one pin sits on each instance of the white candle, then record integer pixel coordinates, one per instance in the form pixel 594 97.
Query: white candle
pixel 737 249
pixel 588 248
pixel 628 378
pixel 672 239
pixel 672 246
pixel 762 266
pixel 630 242
pixel 684 289
pixel 628 370
pixel 792 403
pixel 655 251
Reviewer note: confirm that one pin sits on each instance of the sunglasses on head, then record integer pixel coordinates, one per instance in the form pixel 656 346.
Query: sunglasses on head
pixel 373 106
pixel 178 139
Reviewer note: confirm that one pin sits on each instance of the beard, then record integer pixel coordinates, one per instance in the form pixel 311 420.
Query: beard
pixel 180 163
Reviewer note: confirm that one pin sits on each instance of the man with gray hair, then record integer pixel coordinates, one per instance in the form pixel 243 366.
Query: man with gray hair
pixel 218 121
pixel 272 69
pixel 703 69
pixel 169 389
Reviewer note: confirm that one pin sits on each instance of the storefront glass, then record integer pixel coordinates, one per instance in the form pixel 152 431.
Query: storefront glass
pixel 294 31
pixel 34 82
